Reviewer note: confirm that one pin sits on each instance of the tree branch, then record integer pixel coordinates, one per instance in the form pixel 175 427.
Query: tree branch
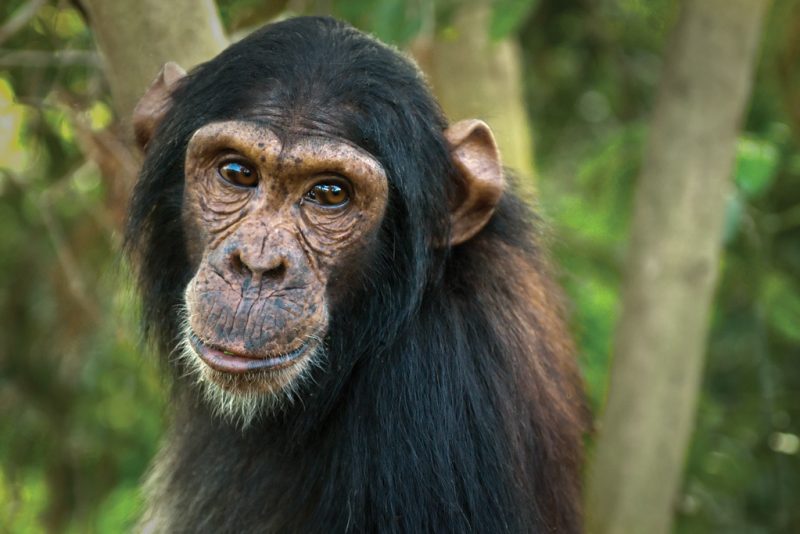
pixel 672 267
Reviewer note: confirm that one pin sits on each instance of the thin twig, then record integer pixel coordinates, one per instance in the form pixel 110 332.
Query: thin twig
pixel 42 58
pixel 67 260
pixel 19 19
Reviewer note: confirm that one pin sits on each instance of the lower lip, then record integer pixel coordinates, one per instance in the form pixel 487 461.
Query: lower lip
pixel 237 365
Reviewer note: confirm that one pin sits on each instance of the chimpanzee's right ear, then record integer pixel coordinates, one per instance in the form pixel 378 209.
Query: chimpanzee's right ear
pixel 153 106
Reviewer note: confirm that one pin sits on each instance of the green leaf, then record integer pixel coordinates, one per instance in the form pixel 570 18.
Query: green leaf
pixel 756 166
pixel 120 509
pixel 508 16
pixel 392 21
pixel 781 300
pixel 396 21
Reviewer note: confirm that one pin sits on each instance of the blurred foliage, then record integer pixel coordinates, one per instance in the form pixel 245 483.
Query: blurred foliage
pixel 81 400
pixel 593 69
pixel 508 16
pixel 80 407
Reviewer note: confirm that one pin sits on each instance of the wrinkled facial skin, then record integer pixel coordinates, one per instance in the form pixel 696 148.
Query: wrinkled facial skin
pixel 267 228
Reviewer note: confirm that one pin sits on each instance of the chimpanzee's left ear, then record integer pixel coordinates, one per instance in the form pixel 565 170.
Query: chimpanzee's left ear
pixel 153 106
pixel 475 154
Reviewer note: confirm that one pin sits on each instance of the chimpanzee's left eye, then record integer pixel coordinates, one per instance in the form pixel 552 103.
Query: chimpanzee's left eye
pixel 328 194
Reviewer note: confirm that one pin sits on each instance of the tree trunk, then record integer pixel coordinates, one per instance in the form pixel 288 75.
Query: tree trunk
pixel 475 78
pixel 672 267
pixel 136 38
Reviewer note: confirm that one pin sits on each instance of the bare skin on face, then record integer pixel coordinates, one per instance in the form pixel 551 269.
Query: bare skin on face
pixel 275 228
pixel 269 223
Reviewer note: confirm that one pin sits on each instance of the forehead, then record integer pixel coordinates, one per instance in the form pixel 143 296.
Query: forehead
pixel 258 142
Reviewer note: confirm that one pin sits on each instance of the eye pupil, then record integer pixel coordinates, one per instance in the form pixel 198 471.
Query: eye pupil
pixel 238 174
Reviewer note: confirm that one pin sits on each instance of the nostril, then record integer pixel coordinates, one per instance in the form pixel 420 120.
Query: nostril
pixel 237 265
pixel 276 272
pixel 272 267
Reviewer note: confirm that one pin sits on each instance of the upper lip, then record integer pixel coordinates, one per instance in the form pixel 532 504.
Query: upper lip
pixel 228 362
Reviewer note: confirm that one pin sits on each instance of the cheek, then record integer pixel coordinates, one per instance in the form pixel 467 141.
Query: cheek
pixel 329 235
pixel 195 236
pixel 210 207
pixel 337 237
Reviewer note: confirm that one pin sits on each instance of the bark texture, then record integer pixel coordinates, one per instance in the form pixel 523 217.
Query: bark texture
pixel 672 267
pixel 137 38
pixel 472 77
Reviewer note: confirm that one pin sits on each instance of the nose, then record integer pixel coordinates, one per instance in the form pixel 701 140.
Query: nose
pixel 265 263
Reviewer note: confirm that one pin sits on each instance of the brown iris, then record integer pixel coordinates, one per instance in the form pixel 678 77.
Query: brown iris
pixel 330 194
pixel 238 174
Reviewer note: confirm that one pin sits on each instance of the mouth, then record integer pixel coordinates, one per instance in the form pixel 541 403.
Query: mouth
pixel 237 364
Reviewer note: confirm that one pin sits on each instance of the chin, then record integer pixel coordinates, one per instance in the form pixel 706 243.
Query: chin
pixel 242 390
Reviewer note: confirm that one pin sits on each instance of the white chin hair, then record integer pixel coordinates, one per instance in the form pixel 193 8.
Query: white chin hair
pixel 244 399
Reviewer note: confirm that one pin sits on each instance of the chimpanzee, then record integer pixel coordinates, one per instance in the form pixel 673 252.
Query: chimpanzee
pixel 357 312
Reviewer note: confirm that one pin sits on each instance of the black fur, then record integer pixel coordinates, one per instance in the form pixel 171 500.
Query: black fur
pixel 435 411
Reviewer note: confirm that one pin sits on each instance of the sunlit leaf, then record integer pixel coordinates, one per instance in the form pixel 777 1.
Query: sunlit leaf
pixel 22 501
pixel 12 153
pixel 68 23
pixel 60 123
pixel 99 115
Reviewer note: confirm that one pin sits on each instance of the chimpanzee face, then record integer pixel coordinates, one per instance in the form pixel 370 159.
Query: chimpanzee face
pixel 277 224
pixel 269 223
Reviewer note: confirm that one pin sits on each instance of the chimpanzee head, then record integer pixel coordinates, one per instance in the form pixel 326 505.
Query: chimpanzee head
pixel 300 195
